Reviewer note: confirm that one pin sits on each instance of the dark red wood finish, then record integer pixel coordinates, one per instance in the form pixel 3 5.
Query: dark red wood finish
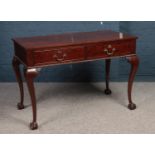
pixel 41 51
pixel 16 63
pixel 71 47
pixel 29 76
pixel 134 61
pixel 107 76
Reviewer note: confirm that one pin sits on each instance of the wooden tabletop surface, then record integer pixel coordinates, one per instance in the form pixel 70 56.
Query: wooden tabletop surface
pixel 74 38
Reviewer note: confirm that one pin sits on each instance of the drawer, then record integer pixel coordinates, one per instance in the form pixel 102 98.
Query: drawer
pixel 111 49
pixel 58 55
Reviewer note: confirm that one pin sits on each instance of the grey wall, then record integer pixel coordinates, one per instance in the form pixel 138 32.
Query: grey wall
pixel 84 72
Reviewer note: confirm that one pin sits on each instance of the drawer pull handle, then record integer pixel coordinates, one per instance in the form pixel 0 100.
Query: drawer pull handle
pixel 109 52
pixel 59 57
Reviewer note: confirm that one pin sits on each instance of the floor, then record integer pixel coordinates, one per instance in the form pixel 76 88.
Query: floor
pixel 79 108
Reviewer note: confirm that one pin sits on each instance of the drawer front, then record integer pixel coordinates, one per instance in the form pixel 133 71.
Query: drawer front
pixel 111 49
pixel 60 55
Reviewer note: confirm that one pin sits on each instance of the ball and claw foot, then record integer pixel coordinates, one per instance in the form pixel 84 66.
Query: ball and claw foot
pixel 107 91
pixel 20 106
pixel 132 106
pixel 33 125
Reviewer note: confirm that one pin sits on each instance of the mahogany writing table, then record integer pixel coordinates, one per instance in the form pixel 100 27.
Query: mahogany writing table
pixel 37 52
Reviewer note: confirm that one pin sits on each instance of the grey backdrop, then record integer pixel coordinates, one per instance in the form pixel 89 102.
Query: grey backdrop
pixel 83 72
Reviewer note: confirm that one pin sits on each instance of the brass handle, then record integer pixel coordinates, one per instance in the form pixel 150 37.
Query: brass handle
pixel 109 52
pixel 60 57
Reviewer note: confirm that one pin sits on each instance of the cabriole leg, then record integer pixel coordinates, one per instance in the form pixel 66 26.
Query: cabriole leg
pixel 30 74
pixel 134 61
pixel 16 66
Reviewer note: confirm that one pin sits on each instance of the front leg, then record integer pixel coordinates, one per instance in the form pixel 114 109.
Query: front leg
pixel 30 74
pixel 16 66
pixel 134 61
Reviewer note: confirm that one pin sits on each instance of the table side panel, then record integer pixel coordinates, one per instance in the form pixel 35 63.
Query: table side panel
pixel 23 55
pixel 20 53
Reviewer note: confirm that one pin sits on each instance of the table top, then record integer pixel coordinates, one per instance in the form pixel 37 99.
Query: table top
pixel 74 38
